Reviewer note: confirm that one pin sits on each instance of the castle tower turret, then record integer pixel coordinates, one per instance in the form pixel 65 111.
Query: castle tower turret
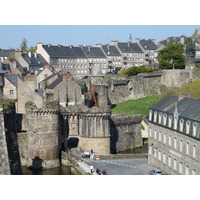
pixel 42 138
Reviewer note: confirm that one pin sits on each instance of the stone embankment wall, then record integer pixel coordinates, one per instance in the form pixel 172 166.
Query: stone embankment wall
pixel 125 132
pixel 4 161
pixel 147 84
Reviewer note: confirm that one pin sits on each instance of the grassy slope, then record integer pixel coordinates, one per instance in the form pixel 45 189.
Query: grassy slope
pixel 137 106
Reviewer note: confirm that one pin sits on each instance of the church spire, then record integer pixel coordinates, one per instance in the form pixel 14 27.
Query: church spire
pixel 130 38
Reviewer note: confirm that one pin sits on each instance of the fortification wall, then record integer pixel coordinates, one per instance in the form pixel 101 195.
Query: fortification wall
pixel 43 137
pixel 125 132
pixel 4 161
pixel 147 84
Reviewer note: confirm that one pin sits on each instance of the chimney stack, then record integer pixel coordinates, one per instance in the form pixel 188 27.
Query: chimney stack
pixel 29 54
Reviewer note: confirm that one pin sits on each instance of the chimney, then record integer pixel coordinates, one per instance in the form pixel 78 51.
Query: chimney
pixel 183 95
pixel 39 47
pixel 115 43
pixel 14 63
pixel 108 47
pixel 153 40
pixel 89 48
pixel 71 46
pixel 29 54
pixel 137 40
pixel 99 45
pixel 49 45
pixel 35 55
pixel 81 46
pixel 128 43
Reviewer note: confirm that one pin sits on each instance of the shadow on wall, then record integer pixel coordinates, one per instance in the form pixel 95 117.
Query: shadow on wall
pixel 72 142
pixel 114 136
pixel 37 164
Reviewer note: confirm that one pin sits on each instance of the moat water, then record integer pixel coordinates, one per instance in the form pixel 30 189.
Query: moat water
pixel 62 170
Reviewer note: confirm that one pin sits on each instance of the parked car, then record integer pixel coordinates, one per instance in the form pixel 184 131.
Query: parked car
pixel 155 172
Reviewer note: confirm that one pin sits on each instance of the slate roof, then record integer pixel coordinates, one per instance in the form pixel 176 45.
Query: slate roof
pixel 110 50
pixel 93 52
pixel 55 83
pixel 12 78
pixel 64 51
pixel 187 107
pixel 148 44
pixel 38 60
pixel 6 53
pixel 22 69
pixel 131 48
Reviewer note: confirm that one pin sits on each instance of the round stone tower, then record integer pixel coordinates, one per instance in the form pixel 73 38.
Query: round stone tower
pixel 42 138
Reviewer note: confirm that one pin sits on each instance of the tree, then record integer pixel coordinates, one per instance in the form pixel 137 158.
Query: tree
pixel 171 57
pixel 33 49
pixel 190 46
pixel 23 45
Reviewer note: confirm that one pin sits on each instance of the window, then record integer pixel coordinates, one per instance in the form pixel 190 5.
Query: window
pixel 169 161
pixel 187 170
pixel 188 127
pixel 164 119
pixel 175 162
pixel 164 138
pixel 11 92
pixel 194 151
pixel 159 135
pixel 159 155
pixel 170 121
pixel 164 158
pixel 150 115
pixel 175 140
pixel 181 145
pixel 194 129
pixel 187 148
pixel 175 122
pixel 160 118
pixel 150 130
pixel 155 134
pixel 155 116
pixel 150 149
pixel 181 167
pixel 170 140
pixel 181 125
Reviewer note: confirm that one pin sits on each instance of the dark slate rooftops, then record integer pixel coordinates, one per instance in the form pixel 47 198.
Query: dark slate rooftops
pixel 55 83
pixel 129 47
pixel 64 51
pixel 110 50
pixel 93 52
pixel 148 44
pixel 6 53
pixel 12 78
pixel 187 107
pixel 34 59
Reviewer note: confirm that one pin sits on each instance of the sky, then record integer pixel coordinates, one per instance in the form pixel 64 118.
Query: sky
pixel 11 36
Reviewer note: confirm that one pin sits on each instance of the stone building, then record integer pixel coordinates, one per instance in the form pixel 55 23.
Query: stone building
pixel 114 57
pixel 174 135
pixel 132 53
pixel 148 47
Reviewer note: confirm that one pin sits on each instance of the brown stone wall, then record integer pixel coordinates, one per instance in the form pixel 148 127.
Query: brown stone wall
pixel 42 137
pixel 100 146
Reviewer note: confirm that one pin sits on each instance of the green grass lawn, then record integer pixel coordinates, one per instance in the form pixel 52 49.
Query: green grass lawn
pixel 137 106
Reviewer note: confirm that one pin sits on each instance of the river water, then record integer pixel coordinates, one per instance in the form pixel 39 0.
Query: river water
pixel 62 170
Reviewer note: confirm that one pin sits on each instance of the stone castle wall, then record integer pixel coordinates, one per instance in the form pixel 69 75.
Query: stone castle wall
pixel 42 137
pixel 125 132
pixel 147 84
pixel 4 161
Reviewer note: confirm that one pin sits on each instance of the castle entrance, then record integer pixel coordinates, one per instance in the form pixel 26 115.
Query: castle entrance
pixel 72 142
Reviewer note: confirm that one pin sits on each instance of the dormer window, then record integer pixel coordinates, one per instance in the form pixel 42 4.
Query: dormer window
pixel 170 121
pixel 150 115
pixel 194 133
pixel 175 122
pixel 181 122
pixel 165 119
pixel 188 127
pixel 160 118
pixel 155 116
